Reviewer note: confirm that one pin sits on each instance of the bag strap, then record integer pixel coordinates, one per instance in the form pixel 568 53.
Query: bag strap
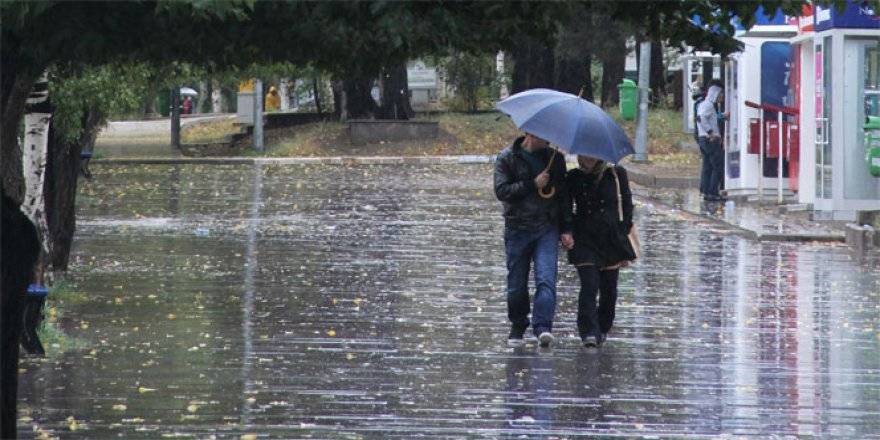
pixel 619 198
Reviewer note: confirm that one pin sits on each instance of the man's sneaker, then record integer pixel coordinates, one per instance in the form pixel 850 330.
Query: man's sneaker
pixel 545 339
pixel 589 341
pixel 515 339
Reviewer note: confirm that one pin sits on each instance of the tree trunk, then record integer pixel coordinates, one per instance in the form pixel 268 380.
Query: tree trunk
pixel 359 103
pixel 19 254
pixel 203 96
pixel 38 114
pixel 148 108
pixel 533 64
pixel 20 243
pixel 284 93
pixel 216 97
pixel 658 74
pixel 500 75
pixel 573 76
pixel 338 101
pixel 613 72
pixel 15 94
pixel 317 92
pixel 678 90
pixel 395 94
pixel 62 173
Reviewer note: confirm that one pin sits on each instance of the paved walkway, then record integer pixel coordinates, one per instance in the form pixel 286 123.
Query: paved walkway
pixel 147 138
pixel 367 301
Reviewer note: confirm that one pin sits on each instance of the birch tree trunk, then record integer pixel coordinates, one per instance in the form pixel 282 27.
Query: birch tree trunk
pixel 284 93
pixel 203 96
pixel 216 97
pixel 38 114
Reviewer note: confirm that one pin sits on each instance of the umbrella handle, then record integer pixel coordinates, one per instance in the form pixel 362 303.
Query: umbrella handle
pixel 552 191
pixel 548 194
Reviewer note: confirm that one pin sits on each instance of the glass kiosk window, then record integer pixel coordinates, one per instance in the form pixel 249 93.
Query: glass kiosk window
pixel 861 94
pixel 872 80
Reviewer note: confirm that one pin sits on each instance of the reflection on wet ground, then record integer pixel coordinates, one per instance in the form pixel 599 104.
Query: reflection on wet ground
pixel 762 219
pixel 368 301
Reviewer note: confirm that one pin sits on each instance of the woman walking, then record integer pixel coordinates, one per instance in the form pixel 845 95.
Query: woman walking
pixel 602 223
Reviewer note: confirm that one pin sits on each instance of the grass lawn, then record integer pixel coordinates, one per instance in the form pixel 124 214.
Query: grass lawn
pixel 460 134
pixel 55 340
pixel 207 131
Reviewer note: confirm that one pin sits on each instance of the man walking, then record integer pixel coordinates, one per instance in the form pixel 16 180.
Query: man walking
pixel 529 181
pixel 710 144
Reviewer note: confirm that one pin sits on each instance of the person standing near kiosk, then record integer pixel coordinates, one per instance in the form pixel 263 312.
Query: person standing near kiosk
pixel 709 139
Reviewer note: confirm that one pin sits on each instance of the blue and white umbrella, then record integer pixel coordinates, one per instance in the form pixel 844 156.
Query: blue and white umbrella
pixel 571 123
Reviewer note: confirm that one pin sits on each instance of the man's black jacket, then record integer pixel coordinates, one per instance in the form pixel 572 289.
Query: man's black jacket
pixel 515 188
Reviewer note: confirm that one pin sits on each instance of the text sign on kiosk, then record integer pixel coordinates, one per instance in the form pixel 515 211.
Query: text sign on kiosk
pixel 856 14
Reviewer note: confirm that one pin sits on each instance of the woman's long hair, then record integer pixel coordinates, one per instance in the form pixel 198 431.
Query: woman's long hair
pixel 598 171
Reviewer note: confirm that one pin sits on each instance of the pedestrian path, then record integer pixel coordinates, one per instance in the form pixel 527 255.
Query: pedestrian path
pixel 262 300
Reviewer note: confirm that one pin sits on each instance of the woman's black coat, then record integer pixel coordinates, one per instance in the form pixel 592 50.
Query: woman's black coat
pixel 596 215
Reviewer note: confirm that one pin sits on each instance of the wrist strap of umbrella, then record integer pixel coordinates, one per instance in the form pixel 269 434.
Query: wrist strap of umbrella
pixel 619 198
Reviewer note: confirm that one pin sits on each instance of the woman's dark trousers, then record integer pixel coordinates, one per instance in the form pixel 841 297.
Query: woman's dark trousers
pixel 592 320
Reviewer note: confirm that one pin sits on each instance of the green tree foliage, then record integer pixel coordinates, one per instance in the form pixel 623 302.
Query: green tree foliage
pixel 113 89
pixel 471 76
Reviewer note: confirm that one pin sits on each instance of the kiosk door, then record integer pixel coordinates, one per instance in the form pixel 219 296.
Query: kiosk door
pixel 823 118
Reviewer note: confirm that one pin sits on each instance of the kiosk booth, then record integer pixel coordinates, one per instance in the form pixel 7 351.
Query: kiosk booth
pixel 758 135
pixel 692 74
pixel 839 58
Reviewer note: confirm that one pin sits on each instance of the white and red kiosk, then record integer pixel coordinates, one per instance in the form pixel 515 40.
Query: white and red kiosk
pixel 761 134
pixel 838 55
pixel 799 95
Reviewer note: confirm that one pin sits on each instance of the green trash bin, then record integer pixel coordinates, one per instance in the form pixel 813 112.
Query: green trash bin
pixel 629 98
pixel 872 145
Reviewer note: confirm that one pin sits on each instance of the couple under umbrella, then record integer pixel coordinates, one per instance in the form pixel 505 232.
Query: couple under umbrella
pixel 588 209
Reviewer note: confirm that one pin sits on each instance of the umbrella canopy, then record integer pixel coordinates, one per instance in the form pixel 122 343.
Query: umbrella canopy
pixel 186 91
pixel 571 123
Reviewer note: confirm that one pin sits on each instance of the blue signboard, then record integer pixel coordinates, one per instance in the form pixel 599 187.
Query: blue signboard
pixel 775 72
pixel 857 15
pixel 761 19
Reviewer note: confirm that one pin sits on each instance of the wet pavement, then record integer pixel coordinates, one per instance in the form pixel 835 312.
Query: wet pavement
pixel 764 222
pixel 367 301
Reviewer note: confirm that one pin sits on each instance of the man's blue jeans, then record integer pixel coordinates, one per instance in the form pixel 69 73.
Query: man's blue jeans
pixel 713 166
pixel 524 247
